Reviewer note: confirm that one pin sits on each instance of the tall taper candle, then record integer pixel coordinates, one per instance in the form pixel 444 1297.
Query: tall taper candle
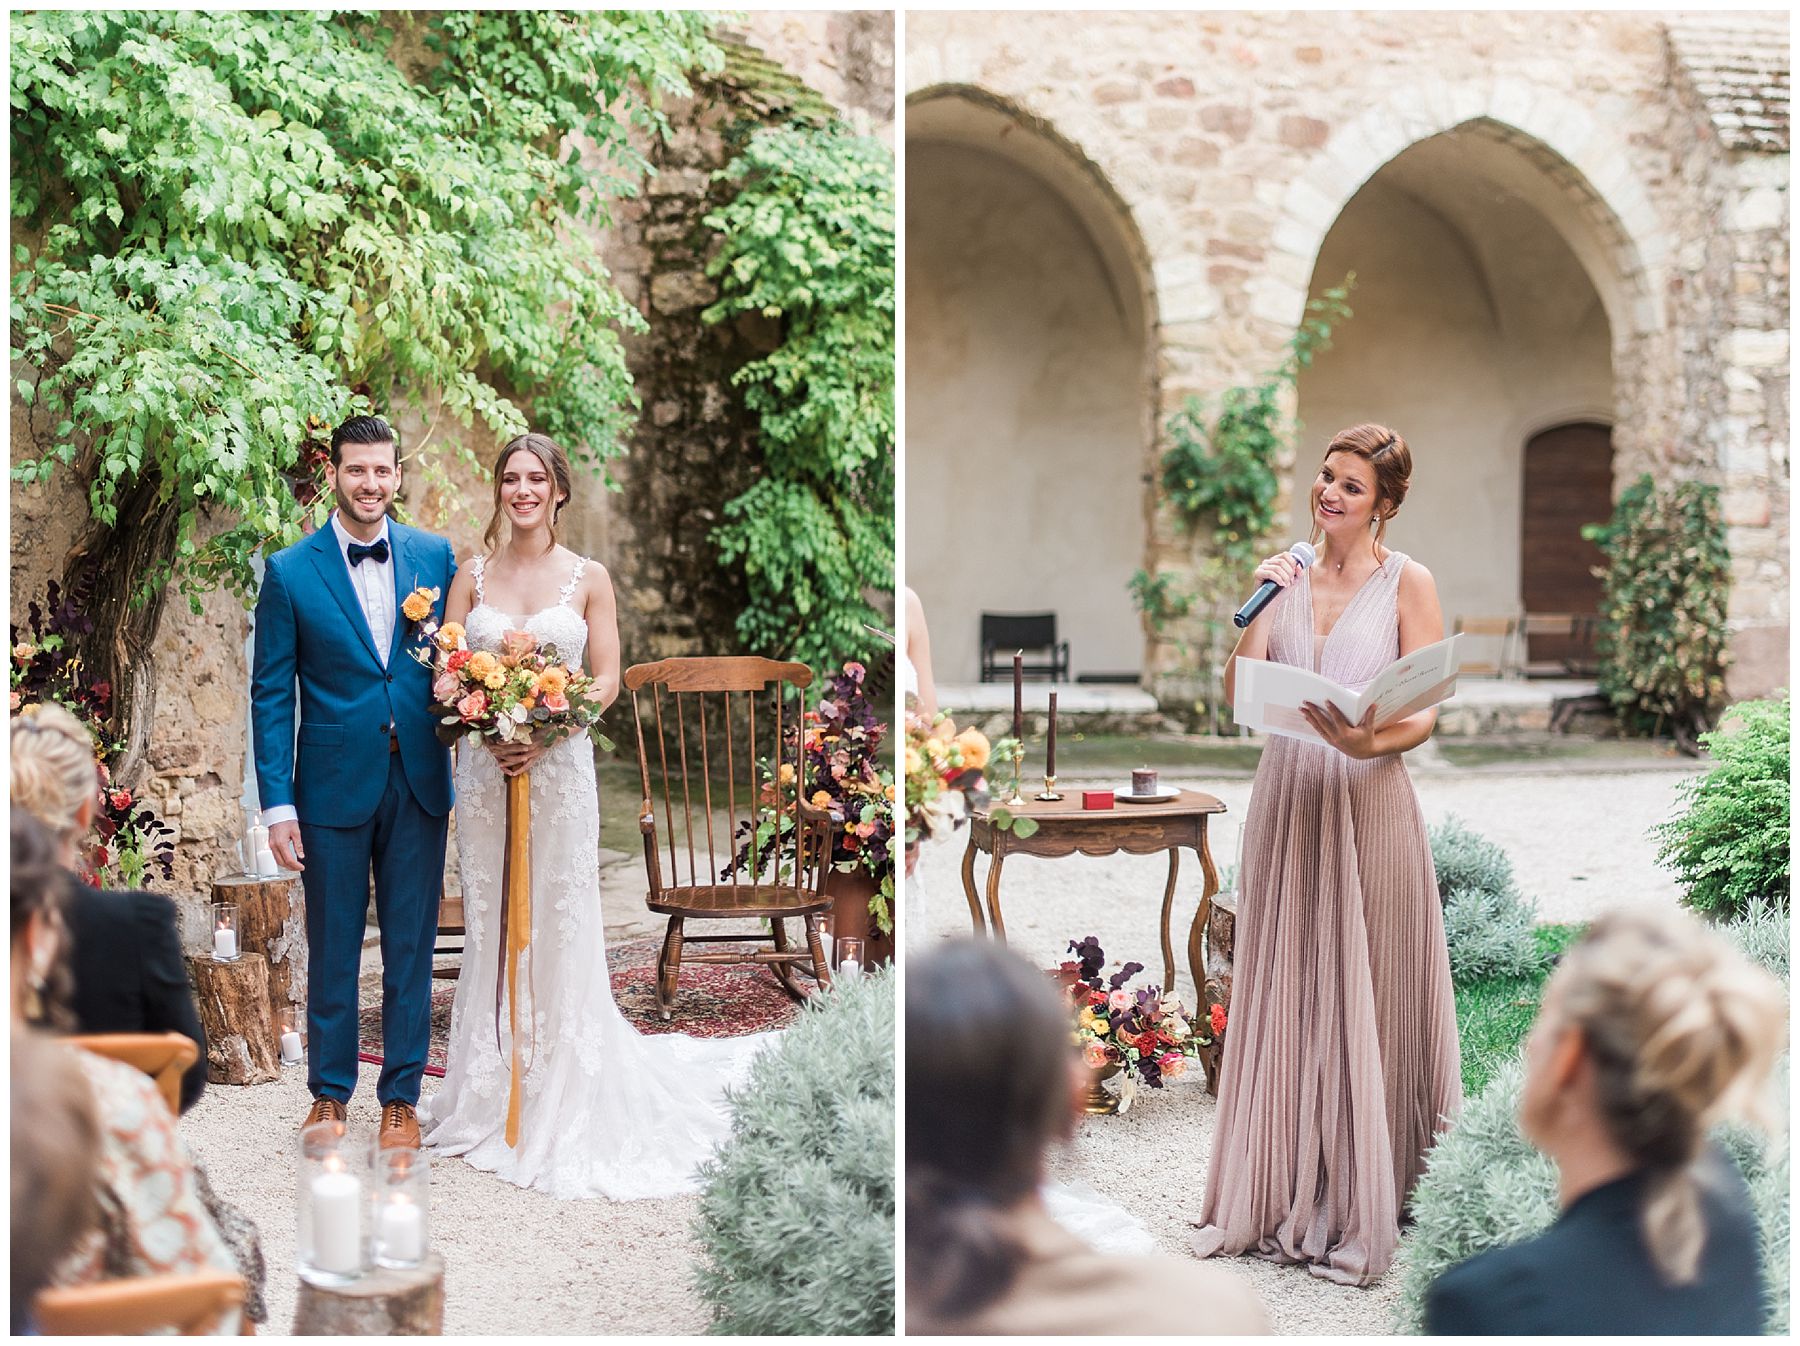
pixel 1019 695
pixel 1050 752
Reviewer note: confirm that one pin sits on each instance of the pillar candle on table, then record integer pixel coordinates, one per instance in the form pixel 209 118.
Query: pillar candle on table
pixel 266 866
pixel 1019 695
pixel 225 943
pixel 336 1233
pixel 402 1230
pixel 1050 751
pixel 290 1046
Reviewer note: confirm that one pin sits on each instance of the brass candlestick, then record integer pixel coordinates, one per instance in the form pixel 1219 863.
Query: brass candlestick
pixel 1049 795
pixel 1017 796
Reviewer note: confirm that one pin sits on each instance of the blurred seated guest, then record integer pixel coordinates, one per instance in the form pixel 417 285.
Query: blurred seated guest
pixel 125 955
pixel 1651 1030
pixel 55 1165
pixel 153 1216
pixel 992 1082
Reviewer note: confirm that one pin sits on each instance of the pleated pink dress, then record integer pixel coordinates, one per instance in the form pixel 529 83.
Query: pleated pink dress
pixel 1341 1058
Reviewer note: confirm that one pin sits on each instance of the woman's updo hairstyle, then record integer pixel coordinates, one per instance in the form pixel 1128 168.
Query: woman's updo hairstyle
pixel 1387 454
pixel 53 767
pixel 556 463
pixel 1683 1031
pixel 989 1074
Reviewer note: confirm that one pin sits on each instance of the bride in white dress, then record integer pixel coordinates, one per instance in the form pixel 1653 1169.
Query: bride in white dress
pixel 606 1111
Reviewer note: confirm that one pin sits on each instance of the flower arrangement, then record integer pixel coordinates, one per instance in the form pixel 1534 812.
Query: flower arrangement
pixel 1139 1032
pixel 129 839
pixel 845 778
pixel 943 776
pixel 525 693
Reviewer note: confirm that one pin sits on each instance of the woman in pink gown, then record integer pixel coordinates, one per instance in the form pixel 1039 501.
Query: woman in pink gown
pixel 1341 1061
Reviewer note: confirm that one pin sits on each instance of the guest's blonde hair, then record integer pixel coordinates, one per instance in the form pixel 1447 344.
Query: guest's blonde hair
pixel 53 767
pixel 1683 1031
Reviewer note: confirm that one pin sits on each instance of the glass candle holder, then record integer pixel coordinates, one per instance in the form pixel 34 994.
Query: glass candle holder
pixel 332 1203
pixel 225 932
pixel 287 1033
pixel 399 1207
pixel 850 958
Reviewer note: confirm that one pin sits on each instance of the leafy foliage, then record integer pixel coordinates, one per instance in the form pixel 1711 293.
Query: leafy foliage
pixel 1219 474
pixel 1731 846
pixel 128 838
pixel 809 239
pixel 1667 583
pixel 796 1223
pixel 252 222
pixel 1488 924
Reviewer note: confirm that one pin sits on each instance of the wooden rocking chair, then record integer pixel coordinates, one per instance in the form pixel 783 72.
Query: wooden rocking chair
pixel 164 1057
pixel 682 709
pixel 193 1305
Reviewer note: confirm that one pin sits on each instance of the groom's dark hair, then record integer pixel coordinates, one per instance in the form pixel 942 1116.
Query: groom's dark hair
pixel 362 430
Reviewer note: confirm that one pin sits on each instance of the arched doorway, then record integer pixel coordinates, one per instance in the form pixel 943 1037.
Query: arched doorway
pixel 1477 320
pixel 1028 390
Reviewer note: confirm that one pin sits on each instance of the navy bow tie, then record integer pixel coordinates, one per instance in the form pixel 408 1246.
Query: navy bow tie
pixel 379 550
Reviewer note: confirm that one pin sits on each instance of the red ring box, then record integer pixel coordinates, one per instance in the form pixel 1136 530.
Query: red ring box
pixel 1097 799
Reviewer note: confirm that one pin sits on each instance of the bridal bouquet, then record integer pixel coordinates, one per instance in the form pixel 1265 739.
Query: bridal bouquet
pixel 1147 1036
pixel 524 693
pixel 943 776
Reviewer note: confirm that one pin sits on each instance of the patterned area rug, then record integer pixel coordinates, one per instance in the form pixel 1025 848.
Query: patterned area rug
pixel 711 1002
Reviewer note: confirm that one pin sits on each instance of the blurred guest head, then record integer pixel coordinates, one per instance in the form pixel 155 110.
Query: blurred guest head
pixel 55 1164
pixel 991 1083
pixel 54 774
pixel 39 971
pixel 1651 1030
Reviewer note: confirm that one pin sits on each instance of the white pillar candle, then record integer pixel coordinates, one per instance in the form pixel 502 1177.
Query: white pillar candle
pixel 336 1233
pixel 290 1046
pixel 402 1230
pixel 225 943
pixel 266 866
pixel 850 969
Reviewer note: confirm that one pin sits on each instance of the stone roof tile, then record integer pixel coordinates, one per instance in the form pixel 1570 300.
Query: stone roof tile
pixel 1737 65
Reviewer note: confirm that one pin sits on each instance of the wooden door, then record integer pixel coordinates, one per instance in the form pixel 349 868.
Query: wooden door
pixel 1568 483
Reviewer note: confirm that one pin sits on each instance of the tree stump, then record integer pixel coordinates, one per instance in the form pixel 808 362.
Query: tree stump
pixel 383 1302
pixel 234 1010
pixel 1221 938
pixel 272 921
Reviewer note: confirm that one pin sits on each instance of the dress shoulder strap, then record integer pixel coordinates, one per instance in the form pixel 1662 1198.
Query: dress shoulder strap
pixel 478 566
pixel 568 590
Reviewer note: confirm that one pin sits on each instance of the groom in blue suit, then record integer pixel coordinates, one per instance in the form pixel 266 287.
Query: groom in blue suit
pixel 366 789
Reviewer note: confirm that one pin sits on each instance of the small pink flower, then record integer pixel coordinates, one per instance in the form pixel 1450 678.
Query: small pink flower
pixel 555 702
pixel 1174 1065
pixel 1119 1001
pixel 518 644
pixel 472 705
pixel 1094 1054
pixel 444 690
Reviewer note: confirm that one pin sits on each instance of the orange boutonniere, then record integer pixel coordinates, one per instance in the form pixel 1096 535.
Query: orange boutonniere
pixel 419 604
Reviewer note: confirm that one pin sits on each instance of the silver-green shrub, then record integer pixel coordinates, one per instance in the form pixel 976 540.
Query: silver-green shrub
pixel 796 1222
pixel 1762 933
pixel 1487 922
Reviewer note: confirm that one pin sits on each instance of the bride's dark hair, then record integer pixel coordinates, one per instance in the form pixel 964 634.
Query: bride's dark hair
pixel 988 1084
pixel 556 463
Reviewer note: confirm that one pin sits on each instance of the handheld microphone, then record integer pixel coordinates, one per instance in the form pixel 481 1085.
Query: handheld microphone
pixel 1303 553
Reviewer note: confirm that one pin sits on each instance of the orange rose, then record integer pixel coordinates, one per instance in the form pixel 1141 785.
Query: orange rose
pixel 518 644
pixel 975 749
pixel 1094 1054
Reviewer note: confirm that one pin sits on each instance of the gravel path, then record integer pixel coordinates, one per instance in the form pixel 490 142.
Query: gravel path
pixel 516 1261
pixel 1577 841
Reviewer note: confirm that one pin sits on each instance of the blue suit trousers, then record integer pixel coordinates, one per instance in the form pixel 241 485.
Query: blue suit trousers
pixel 403 845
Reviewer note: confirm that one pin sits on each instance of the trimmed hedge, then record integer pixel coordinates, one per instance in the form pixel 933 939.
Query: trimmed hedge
pixel 796 1221
pixel 1488 923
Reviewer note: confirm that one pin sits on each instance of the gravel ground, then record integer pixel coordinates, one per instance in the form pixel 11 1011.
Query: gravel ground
pixel 1577 841
pixel 516 1261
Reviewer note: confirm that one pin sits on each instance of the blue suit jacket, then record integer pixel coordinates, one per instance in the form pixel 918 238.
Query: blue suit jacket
pixel 311 632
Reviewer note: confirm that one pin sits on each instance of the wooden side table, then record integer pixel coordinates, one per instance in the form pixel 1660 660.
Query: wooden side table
pixel 1065 828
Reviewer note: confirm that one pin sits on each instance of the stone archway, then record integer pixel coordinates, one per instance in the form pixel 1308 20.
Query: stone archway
pixel 1030 385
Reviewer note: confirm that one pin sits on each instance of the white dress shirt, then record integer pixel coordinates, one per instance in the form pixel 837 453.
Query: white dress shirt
pixel 373 583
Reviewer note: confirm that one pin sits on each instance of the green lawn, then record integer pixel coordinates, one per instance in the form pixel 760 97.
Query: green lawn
pixel 1492 1017
pixel 1099 754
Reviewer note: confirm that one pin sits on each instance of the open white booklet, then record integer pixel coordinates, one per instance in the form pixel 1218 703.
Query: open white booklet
pixel 1269 695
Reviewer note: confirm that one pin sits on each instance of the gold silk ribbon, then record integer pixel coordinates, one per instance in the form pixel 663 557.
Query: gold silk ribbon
pixel 515 925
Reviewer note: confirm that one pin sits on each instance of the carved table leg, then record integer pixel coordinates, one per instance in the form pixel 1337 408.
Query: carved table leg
pixel 1168 948
pixel 1209 1055
pixel 993 898
pixel 968 877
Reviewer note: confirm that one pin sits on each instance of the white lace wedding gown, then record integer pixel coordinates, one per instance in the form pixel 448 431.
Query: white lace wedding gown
pixel 607 1111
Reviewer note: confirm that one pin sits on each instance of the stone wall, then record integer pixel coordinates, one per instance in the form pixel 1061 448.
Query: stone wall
pixel 1234 142
pixel 693 449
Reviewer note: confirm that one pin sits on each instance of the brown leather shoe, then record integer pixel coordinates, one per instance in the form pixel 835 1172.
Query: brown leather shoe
pixel 399 1126
pixel 327 1110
